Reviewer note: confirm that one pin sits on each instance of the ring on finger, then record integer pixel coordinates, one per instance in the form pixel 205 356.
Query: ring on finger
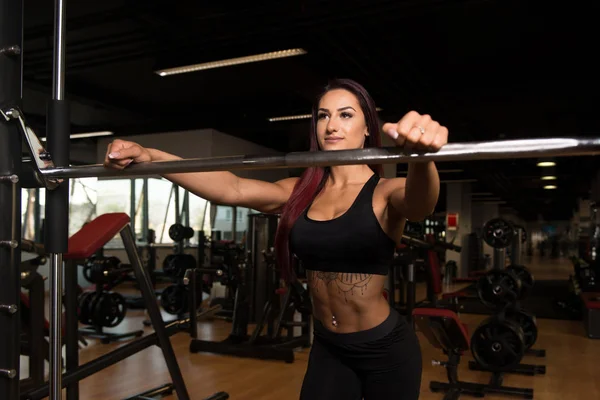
pixel 421 129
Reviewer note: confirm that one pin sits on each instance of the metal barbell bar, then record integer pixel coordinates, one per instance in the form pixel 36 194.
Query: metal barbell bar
pixel 494 150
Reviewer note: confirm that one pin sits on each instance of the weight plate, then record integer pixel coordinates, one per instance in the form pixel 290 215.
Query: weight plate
pixel 84 307
pixel 528 324
pixel 92 306
pixel 498 288
pixel 110 310
pixel 175 265
pixel 178 232
pixel 498 233
pixel 174 299
pixel 526 278
pixel 498 346
pixel 87 272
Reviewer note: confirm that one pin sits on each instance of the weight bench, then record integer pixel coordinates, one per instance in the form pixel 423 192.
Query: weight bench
pixel 591 313
pixel 91 238
pixel 444 330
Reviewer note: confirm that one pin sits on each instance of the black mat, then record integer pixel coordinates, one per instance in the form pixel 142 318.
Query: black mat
pixel 548 299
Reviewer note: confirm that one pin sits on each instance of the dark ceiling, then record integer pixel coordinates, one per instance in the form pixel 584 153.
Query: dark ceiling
pixel 488 70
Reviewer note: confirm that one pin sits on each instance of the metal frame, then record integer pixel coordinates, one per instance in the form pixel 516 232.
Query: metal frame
pixel 56 232
pixel 11 61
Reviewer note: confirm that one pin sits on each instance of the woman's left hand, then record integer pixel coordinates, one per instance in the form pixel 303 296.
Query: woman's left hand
pixel 418 132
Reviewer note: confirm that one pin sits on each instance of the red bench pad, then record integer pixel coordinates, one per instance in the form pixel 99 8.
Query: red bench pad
pixel 95 234
pixel 591 300
pixel 429 319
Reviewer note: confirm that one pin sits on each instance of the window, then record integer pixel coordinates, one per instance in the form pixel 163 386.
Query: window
pixel 83 198
pixel 241 223
pixel 223 222
pixel 29 219
pixel 138 209
pixel 114 195
pixel 161 209
pixel 199 210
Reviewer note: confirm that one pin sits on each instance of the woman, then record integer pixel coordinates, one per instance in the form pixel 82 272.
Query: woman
pixel 343 223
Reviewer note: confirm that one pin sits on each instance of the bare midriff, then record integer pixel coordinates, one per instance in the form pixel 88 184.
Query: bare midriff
pixel 348 302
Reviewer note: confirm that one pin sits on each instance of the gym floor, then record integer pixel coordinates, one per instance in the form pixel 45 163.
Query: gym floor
pixel 571 361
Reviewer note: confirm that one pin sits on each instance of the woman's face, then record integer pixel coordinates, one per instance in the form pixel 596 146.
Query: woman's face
pixel 341 122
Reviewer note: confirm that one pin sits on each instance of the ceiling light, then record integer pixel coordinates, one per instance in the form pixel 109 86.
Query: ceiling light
pixel 548 178
pixel 549 187
pixel 458 181
pixel 294 117
pixel 86 135
pixel 546 164
pixel 231 61
pixel 290 117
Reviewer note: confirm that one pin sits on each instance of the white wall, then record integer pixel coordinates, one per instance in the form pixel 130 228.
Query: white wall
pixel 227 145
pixel 202 143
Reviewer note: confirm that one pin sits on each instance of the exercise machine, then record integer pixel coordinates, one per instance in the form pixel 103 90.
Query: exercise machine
pixel 280 311
pixel 412 254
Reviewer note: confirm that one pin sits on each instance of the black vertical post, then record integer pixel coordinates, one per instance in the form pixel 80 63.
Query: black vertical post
pixel 57 200
pixel 71 325
pixel 11 43
pixel 132 205
pixel 37 218
pixel 37 301
pixel 193 299
pixel 145 211
pixel 178 220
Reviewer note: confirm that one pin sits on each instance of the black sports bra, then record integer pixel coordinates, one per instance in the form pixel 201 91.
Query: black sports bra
pixel 351 243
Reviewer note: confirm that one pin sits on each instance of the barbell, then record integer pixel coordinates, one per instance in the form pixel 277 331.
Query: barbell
pixel 504 149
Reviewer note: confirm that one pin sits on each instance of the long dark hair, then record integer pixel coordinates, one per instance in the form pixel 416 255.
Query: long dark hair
pixel 312 180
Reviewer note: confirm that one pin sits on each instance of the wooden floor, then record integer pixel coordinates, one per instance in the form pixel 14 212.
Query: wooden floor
pixel 572 363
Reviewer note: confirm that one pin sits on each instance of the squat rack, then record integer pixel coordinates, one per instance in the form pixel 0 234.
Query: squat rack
pixel 48 167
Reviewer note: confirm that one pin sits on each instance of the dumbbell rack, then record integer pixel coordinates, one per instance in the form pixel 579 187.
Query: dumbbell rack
pixel 105 280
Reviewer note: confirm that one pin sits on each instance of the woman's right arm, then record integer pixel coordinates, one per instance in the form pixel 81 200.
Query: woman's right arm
pixel 221 187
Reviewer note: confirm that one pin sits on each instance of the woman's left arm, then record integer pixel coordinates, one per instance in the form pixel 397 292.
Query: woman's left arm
pixel 417 196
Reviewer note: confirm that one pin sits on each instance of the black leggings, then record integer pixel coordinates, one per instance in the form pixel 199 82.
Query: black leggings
pixel 376 364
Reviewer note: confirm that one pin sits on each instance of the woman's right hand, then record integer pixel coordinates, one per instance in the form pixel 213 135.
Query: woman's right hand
pixel 121 153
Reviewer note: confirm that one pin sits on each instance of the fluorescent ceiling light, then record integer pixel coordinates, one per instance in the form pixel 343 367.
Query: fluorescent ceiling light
pixel 293 117
pixel 231 61
pixel 548 178
pixel 546 164
pixel 458 181
pixel 290 117
pixel 549 187
pixel 86 135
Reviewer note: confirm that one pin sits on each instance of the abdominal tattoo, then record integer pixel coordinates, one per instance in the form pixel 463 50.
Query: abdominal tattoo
pixel 345 282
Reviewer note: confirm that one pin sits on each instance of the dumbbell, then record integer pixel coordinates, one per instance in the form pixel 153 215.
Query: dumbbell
pixel 178 232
